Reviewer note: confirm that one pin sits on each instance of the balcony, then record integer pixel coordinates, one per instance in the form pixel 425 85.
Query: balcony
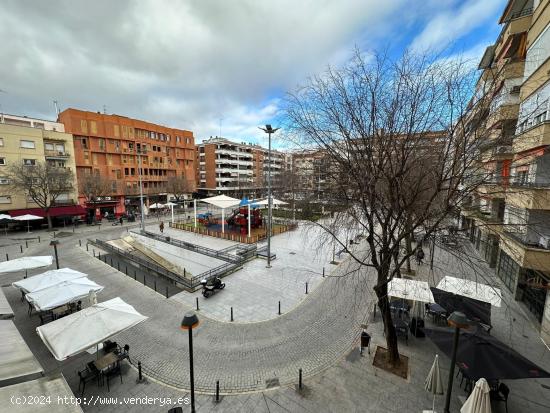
pixel 529 196
pixel 496 153
pixel 533 256
pixel 56 154
pixel 538 135
pixel 502 113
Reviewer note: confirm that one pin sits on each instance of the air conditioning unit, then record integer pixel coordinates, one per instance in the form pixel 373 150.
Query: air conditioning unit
pixel 515 89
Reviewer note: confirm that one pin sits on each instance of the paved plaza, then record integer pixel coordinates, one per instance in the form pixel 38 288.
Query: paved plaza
pixel 257 363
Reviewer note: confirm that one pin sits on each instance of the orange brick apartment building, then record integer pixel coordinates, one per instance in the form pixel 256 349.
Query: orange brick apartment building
pixel 106 145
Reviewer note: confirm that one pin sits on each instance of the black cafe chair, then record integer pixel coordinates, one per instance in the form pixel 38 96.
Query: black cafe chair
pixel 501 394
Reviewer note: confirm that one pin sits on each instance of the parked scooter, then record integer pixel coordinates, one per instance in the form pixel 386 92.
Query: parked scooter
pixel 208 290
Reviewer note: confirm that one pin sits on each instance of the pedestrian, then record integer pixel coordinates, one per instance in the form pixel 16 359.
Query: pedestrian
pixel 419 255
pixel 161 227
pixel 121 220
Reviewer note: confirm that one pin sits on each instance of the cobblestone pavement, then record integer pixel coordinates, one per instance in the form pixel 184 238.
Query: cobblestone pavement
pixel 242 353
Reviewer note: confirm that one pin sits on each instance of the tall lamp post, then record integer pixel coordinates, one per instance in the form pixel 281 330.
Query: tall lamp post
pixel 457 320
pixel 189 322
pixel 269 130
pixel 140 151
pixel 54 243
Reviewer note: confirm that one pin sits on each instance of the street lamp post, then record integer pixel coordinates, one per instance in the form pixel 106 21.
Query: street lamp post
pixel 54 243
pixel 269 130
pixel 141 192
pixel 457 320
pixel 189 322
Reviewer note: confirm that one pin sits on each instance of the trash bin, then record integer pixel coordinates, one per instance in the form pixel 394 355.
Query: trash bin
pixel 365 341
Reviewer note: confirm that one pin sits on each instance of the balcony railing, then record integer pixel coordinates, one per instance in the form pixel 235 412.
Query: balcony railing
pixel 533 185
pixel 520 240
pixel 56 154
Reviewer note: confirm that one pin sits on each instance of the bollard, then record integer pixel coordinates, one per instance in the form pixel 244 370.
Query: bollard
pixel 79 242
pixel 144 280
pixel 279 308
pixel 306 287
pixel 111 258
pixel 99 255
pixel 217 391
pixel 135 275
pixel 7 257
pixel 197 298
pixel 300 379
pixel 26 244
pixel 140 377
pixel 126 272
pixel 184 273
pixel 39 239
pixel 231 313
pixel 323 272
pixel 155 285
pixel 166 291
pixel 118 265
pixel 87 247
pixel 21 246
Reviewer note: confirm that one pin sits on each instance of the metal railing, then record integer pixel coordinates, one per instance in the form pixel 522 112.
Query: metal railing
pixel 519 239
pixel 222 255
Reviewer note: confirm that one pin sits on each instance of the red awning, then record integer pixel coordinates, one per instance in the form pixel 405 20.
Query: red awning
pixel 69 210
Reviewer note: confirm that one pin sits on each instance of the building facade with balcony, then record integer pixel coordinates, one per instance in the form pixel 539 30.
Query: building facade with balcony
pixel 120 149
pixel 236 169
pixel 30 142
pixel 508 219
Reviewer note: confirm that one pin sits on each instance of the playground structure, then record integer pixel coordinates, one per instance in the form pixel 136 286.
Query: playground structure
pixel 239 218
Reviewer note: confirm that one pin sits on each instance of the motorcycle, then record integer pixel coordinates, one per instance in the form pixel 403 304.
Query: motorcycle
pixel 208 290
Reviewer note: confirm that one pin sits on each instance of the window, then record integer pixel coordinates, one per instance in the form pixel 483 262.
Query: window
pixel 117 146
pixel 29 162
pixel 101 143
pixel 118 174
pixel 84 143
pixel 93 126
pixel 84 126
pixel 4 180
pixel 508 270
pixel 27 144
pixel 5 199
pixel 86 155
pixel 116 130
pixel 1 141
pixel 2 161
pixel 59 147
pixel 48 146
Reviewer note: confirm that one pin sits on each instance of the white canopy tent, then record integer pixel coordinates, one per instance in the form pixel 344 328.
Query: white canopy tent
pixel 156 206
pixel 223 202
pixel 47 279
pixel 79 331
pixel 471 289
pixel 62 293
pixel 17 361
pixel 27 217
pixel 410 290
pixel 26 263
pixel 274 201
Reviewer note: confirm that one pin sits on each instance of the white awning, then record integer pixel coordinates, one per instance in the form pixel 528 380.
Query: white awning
pixel 156 206
pixel 27 217
pixel 47 279
pixel 274 201
pixel 5 308
pixel 54 387
pixel 17 362
pixel 222 201
pixel 471 289
pixel 77 332
pixel 410 290
pixel 25 263
pixel 62 293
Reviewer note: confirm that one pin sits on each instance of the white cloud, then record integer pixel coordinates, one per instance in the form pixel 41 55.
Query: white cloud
pixel 451 24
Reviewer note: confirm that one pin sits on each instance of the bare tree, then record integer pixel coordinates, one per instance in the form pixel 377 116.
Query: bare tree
pixel 93 186
pixel 179 186
pixel 43 183
pixel 400 155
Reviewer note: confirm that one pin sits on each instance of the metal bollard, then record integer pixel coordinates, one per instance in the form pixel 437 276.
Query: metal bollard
pixel 39 239
pixel 217 391
pixel 118 265
pixel 166 291
pixel 140 377
pixel 306 287
pixel 144 280
pixel 87 247
pixel 300 386
pixel 26 244
pixel 79 242
pixel 279 308
pixel 111 261
pixel 21 246
pixel 99 254
pixel 134 274
pixel 197 299
pixel 155 285
pixel 231 313
pixel 7 257
pixel 323 271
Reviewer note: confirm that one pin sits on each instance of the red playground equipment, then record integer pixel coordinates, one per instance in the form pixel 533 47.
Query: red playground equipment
pixel 239 218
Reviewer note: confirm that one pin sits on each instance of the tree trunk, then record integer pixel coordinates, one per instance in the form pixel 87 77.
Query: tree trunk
pixel 408 247
pixel 384 306
pixel 50 224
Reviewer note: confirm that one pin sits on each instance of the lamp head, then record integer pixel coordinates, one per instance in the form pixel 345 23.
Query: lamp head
pixel 458 320
pixel 54 242
pixel 190 321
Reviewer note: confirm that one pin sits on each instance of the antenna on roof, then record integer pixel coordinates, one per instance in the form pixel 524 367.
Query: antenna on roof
pixel 56 107
pixel 104 109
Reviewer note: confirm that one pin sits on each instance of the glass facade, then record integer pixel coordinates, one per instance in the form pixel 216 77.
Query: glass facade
pixel 508 270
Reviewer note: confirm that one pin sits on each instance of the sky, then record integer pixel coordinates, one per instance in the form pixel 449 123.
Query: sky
pixel 210 66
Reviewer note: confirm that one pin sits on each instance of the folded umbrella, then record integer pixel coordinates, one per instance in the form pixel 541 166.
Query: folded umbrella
pixel 480 400
pixel 434 383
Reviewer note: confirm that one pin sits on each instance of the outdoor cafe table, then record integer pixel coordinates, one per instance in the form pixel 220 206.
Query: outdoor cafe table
pixel 106 361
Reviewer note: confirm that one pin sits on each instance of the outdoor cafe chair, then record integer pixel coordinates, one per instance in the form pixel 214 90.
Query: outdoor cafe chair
pixel 501 394
pixel 85 376
pixel 112 371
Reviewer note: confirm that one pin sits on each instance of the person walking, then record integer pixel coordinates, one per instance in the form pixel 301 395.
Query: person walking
pixel 419 255
pixel 161 227
pixel 121 220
